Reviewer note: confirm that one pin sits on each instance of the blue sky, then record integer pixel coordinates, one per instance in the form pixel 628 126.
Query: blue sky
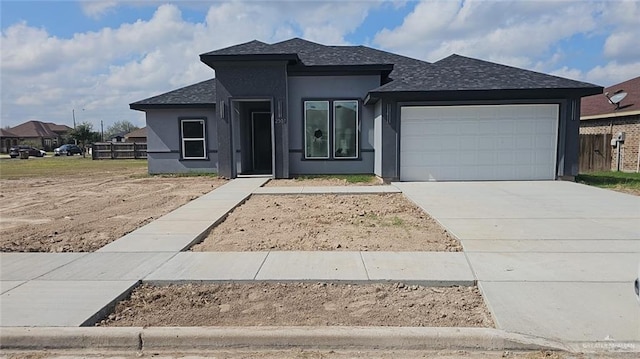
pixel 96 57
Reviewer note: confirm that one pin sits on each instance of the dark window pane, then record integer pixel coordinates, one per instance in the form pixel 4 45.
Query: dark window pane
pixel 192 129
pixel 316 118
pixel 345 143
pixel 194 148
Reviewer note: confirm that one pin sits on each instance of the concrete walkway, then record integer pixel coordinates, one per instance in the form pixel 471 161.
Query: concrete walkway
pixel 553 259
pixel 76 289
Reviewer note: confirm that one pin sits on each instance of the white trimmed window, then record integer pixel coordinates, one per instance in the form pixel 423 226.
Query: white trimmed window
pixel 192 135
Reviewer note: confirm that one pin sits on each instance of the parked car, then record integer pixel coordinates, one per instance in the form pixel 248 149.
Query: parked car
pixel 68 150
pixel 636 285
pixel 15 151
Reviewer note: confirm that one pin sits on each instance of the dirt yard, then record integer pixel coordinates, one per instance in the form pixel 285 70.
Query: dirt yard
pixel 361 222
pixel 301 304
pixel 320 181
pixel 88 211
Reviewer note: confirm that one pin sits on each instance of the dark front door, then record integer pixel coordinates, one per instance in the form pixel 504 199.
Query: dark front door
pixel 261 142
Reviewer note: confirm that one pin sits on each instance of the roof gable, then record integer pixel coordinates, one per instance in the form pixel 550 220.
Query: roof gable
pixel 599 104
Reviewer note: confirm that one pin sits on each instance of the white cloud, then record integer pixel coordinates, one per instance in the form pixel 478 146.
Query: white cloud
pixel 103 71
pixel 97 8
pixel 515 32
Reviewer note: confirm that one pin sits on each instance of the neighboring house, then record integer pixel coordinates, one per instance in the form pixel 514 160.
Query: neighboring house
pixel 598 115
pixel 44 135
pixel 8 139
pixel 118 137
pixel 137 136
pixel 298 107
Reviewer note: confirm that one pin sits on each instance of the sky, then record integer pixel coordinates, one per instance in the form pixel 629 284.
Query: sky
pixel 91 59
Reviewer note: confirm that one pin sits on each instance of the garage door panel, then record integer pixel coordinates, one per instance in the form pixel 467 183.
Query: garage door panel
pixel 508 142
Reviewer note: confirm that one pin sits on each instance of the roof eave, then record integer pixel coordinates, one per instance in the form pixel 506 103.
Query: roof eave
pixel 211 60
pixel 610 115
pixel 159 106
pixel 493 93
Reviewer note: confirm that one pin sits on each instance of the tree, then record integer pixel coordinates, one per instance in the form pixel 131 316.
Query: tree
pixel 119 127
pixel 84 134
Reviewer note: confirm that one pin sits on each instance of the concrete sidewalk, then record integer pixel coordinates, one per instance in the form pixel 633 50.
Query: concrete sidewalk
pixel 75 289
pixel 553 259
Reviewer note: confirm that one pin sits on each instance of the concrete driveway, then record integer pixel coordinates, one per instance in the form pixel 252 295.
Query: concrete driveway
pixel 554 259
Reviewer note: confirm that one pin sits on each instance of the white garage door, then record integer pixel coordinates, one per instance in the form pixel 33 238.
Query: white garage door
pixel 462 143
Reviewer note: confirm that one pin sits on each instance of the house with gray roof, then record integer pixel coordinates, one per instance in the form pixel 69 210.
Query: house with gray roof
pixel 298 108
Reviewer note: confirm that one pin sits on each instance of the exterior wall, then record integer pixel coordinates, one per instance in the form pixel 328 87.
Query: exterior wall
pixel 163 141
pixel 330 87
pixel 377 139
pixel 265 81
pixel 630 125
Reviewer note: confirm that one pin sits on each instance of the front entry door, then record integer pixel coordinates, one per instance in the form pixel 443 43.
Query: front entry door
pixel 261 150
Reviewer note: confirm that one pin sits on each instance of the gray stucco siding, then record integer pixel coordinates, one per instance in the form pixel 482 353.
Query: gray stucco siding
pixel 265 81
pixel 300 166
pixel 164 143
pixel 301 88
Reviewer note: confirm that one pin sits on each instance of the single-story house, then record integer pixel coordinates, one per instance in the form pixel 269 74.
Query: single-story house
pixel 8 139
pixel 117 137
pixel 137 136
pixel 298 107
pixel 44 135
pixel 604 114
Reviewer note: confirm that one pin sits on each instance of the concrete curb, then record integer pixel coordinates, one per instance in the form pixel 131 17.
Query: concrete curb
pixel 209 338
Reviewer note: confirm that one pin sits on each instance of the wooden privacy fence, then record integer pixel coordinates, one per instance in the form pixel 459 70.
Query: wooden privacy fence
pixel 595 153
pixel 118 151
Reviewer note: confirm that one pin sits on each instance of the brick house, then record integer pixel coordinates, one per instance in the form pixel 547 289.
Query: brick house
pixel 137 136
pixel 43 135
pixel 599 116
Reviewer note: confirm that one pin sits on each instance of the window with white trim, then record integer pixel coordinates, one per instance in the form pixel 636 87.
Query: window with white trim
pixel 192 135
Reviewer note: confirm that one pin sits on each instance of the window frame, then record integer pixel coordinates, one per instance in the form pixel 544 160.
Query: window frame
pixel 357 130
pixel 304 129
pixel 331 141
pixel 203 121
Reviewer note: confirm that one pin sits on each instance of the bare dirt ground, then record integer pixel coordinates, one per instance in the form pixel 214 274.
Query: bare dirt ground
pixel 320 181
pixel 360 222
pixel 301 304
pixel 88 211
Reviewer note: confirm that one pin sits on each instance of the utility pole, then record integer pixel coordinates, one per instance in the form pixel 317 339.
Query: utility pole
pixel 101 131
pixel 73 114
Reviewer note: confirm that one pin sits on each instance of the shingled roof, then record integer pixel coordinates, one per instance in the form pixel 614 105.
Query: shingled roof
pixel 460 73
pixel 310 54
pixel 6 133
pixel 599 106
pixel 197 95
pixel 400 74
pixel 38 129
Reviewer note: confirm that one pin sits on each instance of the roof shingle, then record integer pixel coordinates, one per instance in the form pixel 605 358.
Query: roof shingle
pixel 460 73
pixel 454 73
pixel 202 93
pixel 599 104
